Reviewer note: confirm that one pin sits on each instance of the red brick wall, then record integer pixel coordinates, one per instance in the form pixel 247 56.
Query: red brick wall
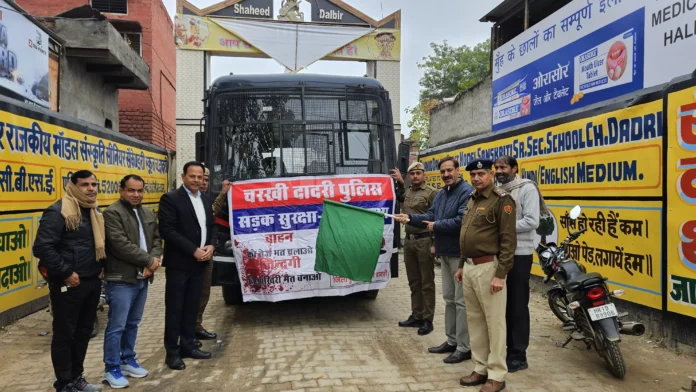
pixel 49 7
pixel 147 115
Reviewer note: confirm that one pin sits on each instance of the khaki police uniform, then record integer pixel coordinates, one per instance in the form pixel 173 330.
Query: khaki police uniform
pixel 420 267
pixel 488 240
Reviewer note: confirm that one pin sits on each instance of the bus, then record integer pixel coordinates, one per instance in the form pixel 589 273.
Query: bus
pixel 284 126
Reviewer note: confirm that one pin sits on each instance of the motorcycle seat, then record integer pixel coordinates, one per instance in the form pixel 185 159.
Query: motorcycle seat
pixel 580 281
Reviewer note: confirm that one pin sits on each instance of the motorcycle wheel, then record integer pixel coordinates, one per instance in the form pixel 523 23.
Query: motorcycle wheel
pixel 558 304
pixel 613 357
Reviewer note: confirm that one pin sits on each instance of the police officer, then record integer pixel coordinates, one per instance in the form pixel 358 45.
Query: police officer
pixel 420 267
pixel 488 241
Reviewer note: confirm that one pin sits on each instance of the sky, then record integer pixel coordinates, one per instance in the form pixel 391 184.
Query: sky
pixel 422 22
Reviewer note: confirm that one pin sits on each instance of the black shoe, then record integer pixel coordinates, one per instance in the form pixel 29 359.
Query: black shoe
pixel 175 362
pixel 426 328
pixel 457 357
pixel 205 335
pixel 196 354
pixel 197 343
pixel 412 322
pixel 442 349
pixel 69 388
pixel 516 366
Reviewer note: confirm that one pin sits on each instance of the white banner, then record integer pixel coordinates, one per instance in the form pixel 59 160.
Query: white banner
pixel 274 226
pixel 23 56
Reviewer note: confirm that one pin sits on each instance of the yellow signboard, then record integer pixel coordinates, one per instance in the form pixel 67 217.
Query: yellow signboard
pixel 622 242
pixel 613 154
pixel 37 159
pixel 202 33
pixel 681 202
pixel 18 273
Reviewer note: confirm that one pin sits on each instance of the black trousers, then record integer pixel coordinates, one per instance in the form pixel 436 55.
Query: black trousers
pixel 517 312
pixel 74 312
pixel 182 300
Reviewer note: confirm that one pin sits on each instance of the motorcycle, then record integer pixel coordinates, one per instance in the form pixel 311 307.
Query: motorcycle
pixel 582 301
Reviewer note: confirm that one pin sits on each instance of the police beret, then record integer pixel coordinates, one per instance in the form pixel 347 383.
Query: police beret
pixel 416 166
pixel 480 164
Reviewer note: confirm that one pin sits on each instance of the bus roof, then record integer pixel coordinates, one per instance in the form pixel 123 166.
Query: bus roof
pixel 232 82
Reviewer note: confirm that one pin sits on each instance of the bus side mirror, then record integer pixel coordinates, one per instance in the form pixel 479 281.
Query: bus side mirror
pixel 404 155
pixel 200 146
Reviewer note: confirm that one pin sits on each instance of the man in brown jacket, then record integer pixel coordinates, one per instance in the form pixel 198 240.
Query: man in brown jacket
pixel 133 254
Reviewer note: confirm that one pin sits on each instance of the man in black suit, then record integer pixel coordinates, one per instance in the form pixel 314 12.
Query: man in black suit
pixel 187 226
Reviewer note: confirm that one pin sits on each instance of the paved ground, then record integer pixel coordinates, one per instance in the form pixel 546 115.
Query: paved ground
pixel 337 344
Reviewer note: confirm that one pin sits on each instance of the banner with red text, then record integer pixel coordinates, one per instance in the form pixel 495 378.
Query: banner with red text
pixel 274 226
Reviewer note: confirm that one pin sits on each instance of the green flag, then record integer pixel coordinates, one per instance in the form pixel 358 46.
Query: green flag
pixel 349 241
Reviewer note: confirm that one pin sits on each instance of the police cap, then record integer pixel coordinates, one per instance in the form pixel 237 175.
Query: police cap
pixel 415 166
pixel 206 172
pixel 480 164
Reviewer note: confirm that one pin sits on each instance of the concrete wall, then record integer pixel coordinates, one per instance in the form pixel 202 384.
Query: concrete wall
pixel 85 96
pixel 469 115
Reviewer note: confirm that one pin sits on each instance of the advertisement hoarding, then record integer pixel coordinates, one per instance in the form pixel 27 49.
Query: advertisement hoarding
pixel 588 52
pixel 23 57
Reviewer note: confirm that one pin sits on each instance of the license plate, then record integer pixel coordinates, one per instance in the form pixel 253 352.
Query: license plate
pixel 603 312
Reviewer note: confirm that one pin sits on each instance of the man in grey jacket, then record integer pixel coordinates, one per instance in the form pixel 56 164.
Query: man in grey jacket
pixel 444 219
pixel 133 254
pixel 529 206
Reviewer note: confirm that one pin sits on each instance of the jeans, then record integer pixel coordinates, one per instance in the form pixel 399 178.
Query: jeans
pixel 126 305
pixel 74 311
pixel 182 298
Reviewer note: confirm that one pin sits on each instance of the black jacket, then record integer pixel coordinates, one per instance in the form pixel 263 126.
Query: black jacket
pixel 63 252
pixel 179 228
pixel 447 211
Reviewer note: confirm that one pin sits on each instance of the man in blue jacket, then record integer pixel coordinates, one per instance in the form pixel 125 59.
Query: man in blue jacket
pixel 444 219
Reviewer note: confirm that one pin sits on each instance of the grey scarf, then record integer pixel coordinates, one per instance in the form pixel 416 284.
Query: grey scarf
pixel 513 188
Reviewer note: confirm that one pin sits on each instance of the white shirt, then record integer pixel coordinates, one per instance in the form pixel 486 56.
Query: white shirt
pixel 200 214
pixel 143 241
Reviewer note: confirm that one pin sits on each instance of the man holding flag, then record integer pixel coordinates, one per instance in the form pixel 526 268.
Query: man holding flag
pixel 444 219
pixel 420 266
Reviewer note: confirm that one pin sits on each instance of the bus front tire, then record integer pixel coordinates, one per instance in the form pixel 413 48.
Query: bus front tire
pixel 232 294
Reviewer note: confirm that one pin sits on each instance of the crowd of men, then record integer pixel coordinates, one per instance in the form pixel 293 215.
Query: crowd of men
pixel 484 239
pixel 79 245
pixel 482 234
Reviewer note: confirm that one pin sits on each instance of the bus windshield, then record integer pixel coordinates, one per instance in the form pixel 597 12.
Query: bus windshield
pixel 297 132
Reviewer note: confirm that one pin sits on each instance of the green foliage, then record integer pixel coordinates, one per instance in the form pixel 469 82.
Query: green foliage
pixel 420 122
pixel 451 70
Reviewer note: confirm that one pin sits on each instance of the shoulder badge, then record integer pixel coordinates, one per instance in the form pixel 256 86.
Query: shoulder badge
pixel 499 192
pixel 507 209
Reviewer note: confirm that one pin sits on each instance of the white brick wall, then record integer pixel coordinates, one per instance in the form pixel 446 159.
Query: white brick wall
pixel 189 84
pixel 189 105
pixel 389 73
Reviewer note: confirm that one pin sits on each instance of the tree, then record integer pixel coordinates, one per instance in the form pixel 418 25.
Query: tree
pixel 451 70
pixel 420 122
